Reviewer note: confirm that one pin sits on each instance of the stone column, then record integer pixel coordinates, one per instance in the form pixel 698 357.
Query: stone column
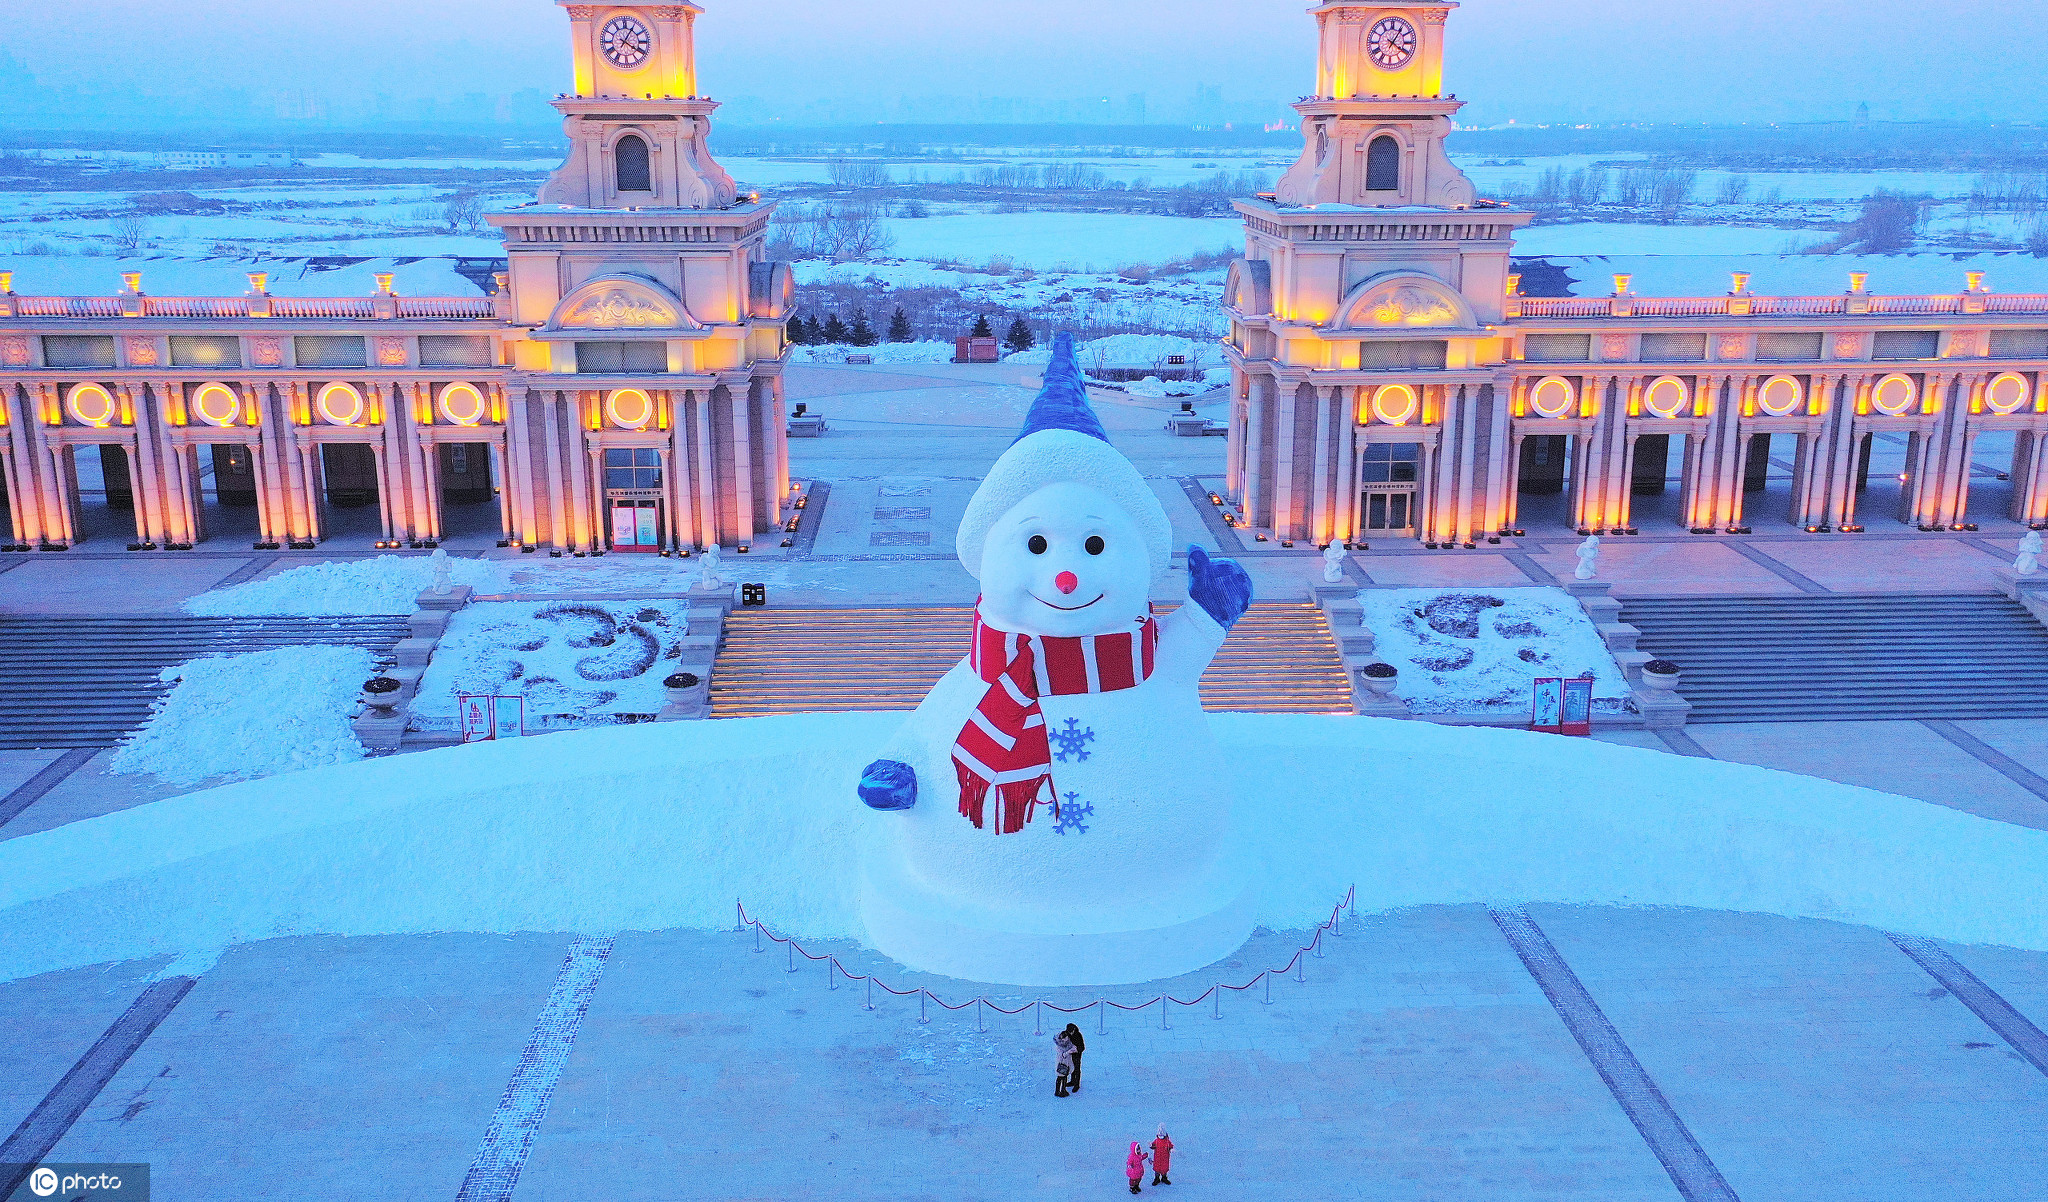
pixel 1257 476
pixel 778 433
pixel 707 476
pixel 551 405
pixel 1347 465
pixel 1319 520
pixel 742 463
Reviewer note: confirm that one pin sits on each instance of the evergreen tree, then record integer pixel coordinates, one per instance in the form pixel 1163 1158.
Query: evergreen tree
pixel 797 336
pixel 981 327
pixel 899 327
pixel 835 330
pixel 862 334
pixel 814 334
pixel 1020 337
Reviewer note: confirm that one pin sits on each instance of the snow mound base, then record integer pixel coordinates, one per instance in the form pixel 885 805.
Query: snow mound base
pixel 203 730
pixel 883 352
pixel 1477 651
pixel 387 584
pixel 654 827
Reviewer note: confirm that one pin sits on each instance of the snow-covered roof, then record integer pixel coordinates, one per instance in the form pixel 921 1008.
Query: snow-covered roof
pixel 71 275
pixel 1779 275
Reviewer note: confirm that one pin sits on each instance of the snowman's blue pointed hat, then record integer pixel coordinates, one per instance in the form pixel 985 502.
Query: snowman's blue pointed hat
pixel 1062 402
pixel 1063 442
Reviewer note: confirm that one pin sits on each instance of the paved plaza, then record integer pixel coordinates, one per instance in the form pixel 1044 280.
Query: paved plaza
pixel 1443 1053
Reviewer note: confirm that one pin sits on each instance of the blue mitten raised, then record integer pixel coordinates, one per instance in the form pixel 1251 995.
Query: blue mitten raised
pixel 889 785
pixel 1220 586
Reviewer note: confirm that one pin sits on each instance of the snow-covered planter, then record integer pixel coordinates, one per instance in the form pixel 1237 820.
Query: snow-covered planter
pixel 681 687
pixel 1380 678
pixel 1661 674
pixel 380 693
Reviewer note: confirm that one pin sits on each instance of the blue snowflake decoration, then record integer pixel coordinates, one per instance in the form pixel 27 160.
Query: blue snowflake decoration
pixel 1071 815
pixel 1071 741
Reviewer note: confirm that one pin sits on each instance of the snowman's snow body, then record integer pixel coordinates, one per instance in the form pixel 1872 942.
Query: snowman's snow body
pixel 1127 869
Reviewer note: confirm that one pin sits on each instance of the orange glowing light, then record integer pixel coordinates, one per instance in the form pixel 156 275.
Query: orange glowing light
pixel 90 405
pixel 462 404
pixel 629 408
pixel 217 405
pixel 341 405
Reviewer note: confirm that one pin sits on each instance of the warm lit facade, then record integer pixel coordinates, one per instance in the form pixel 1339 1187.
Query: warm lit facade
pixel 621 391
pixel 1389 381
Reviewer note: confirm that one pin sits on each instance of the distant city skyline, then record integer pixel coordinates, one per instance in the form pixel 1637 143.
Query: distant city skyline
pixel 356 62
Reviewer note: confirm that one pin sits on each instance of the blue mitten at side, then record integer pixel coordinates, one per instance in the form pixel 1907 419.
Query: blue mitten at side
pixel 1220 586
pixel 889 785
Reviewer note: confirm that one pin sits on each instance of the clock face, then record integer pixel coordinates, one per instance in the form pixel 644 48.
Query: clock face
pixel 1391 43
pixel 625 42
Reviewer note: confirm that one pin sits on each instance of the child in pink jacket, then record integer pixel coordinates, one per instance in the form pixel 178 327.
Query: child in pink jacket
pixel 1134 1166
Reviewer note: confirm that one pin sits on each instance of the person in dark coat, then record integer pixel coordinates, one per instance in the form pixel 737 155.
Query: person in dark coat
pixel 1080 1045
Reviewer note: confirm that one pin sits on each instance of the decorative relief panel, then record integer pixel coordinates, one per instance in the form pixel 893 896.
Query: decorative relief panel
pixel 1848 346
pixel 1733 346
pixel 14 351
pixel 266 351
pixel 142 352
pixel 1614 346
pixel 619 308
pixel 391 352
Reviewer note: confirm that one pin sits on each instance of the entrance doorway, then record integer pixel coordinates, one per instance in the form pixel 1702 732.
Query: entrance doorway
pixel 1388 475
pixel 632 489
pixel 102 493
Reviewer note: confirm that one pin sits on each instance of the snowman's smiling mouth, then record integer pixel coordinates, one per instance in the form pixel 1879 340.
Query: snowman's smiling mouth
pixel 1066 608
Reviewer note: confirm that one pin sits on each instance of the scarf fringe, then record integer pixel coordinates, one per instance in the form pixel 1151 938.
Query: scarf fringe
pixel 1017 801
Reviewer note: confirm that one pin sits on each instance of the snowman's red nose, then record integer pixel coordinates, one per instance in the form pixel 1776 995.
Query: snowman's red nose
pixel 1066 582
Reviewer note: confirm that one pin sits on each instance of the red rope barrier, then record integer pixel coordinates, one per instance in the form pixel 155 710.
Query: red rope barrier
pixel 1314 945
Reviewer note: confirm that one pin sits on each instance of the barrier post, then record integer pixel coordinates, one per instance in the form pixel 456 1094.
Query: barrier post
pixel 871 991
pixel 1317 943
pixel 831 973
pixel 1337 923
pixel 979 1025
pixel 739 915
pixel 1268 974
pixel 791 945
pixel 922 997
pixel 1163 1003
pixel 1101 1016
pixel 1037 1020
pixel 757 937
pixel 1218 990
pixel 1351 899
pixel 1299 969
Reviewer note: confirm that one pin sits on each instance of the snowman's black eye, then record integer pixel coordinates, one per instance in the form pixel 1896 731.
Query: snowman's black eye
pixel 1094 544
pixel 1037 544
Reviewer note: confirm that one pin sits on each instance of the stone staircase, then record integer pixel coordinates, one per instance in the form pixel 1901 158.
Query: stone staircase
pixel 1279 658
pixel 89 681
pixel 1973 655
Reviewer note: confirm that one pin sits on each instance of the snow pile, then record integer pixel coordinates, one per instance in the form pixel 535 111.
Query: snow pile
pixel 388 584
pixel 1467 652
pixel 653 827
pixel 1153 386
pixel 301 698
pixel 883 352
pixel 1131 350
pixel 576 663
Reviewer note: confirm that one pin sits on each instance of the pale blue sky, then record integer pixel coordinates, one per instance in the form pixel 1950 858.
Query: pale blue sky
pixel 1530 60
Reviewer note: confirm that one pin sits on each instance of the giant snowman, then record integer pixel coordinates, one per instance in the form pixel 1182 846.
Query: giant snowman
pixel 1056 812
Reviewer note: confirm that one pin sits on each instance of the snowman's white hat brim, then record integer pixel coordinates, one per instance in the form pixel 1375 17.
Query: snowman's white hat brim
pixel 1055 457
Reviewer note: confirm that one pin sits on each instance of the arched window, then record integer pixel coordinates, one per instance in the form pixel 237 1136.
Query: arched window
pixel 1383 165
pixel 629 156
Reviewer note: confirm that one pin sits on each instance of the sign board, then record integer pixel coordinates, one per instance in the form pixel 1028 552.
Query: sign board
pixel 1562 707
pixel 487 716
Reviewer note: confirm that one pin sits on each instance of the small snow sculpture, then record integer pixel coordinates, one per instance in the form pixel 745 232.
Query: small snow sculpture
pixel 2029 560
pixel 1333 564
pixel 707 573
pixel 443 582
pixel 1589 551
pixel 1071 689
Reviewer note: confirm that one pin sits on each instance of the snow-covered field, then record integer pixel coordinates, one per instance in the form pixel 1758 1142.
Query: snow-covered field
pixel 302 699
pixel 654 827
pixel 387 584
pixel 1062 241
pixel 577 663
pixel 1465 651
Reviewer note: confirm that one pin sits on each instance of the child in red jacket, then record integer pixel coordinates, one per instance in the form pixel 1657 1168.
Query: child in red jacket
pixel 1162 1157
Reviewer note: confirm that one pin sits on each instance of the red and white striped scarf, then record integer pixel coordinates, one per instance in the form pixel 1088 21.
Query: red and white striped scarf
pixel 1003 744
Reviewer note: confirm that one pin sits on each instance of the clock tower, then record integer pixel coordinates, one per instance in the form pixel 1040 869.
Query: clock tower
pixel 1364 315
pixel 647 325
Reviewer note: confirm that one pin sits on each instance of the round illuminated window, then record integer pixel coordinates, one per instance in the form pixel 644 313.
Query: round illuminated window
pixel 1668 397
pixel 2008 393
pixel 217 404
pixel 462 404
pixel 1554 396
pixel 1395 404
pixel 90 404
pixel 341 405
pixel 629 408
pixel 1780 396
pixel 1894 395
